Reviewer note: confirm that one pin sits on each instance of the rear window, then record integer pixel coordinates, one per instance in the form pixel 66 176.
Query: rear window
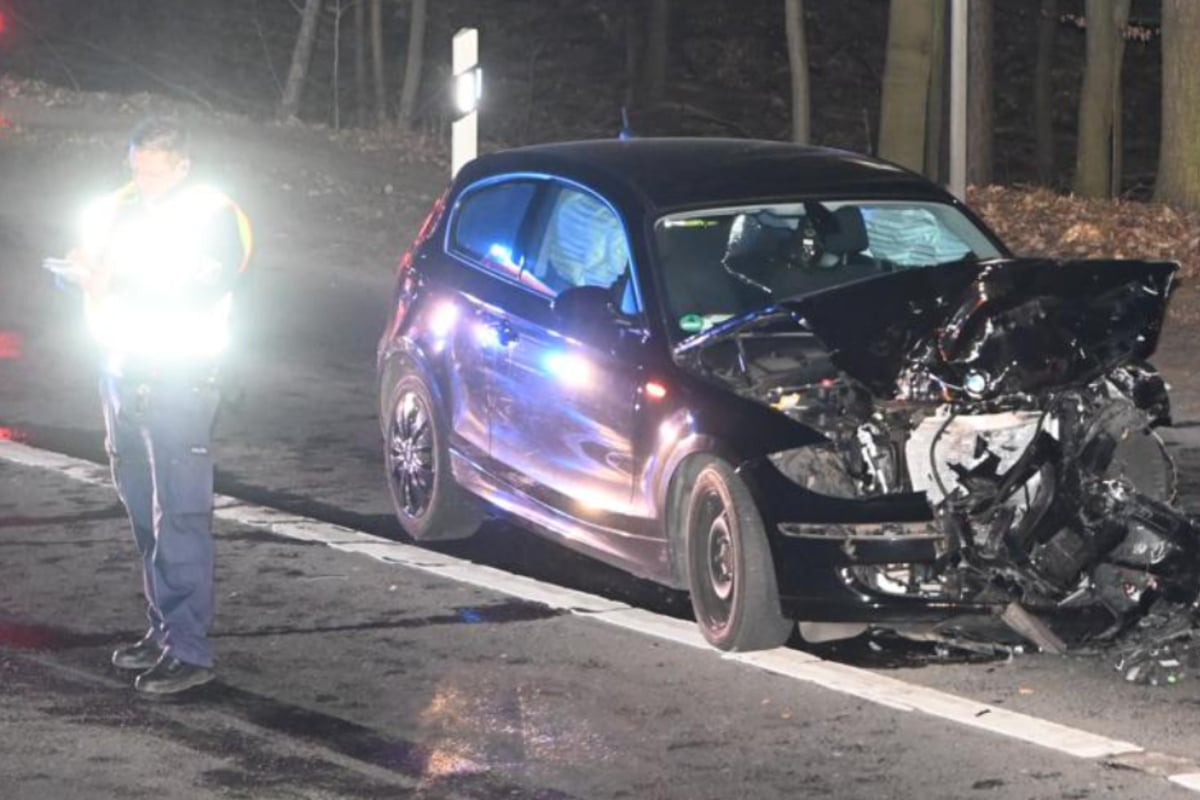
pixel 489 220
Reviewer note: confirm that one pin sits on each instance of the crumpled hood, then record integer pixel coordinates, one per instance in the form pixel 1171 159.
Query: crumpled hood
pixel 1020 325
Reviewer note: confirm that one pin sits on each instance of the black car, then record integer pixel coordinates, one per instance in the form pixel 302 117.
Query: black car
pixel 801 383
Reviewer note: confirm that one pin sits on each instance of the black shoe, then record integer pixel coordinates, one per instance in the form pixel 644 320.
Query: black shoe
pixel 170 675
pixel 142 655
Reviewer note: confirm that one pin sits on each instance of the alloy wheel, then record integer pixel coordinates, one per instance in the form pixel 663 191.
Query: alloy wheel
pixel 410 451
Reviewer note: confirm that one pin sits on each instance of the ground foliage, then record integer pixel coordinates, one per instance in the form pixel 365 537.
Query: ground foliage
pixel 556 70
pixel 1039 222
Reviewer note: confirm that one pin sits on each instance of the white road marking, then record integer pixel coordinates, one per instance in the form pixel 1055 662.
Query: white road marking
pixel 864 684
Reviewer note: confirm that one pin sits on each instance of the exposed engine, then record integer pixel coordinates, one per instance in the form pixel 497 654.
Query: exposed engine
pixel 1044 475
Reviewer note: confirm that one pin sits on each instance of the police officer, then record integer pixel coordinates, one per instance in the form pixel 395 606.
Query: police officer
pixel 161 259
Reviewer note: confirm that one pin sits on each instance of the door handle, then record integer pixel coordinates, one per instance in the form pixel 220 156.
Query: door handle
pixel 505 334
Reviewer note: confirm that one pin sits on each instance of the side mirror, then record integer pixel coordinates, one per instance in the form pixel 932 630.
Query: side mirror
pixel 583 308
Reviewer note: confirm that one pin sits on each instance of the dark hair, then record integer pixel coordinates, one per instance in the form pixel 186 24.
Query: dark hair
pixel 161 133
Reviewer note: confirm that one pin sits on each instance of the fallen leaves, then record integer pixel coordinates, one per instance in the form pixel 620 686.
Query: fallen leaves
pixel 1040 222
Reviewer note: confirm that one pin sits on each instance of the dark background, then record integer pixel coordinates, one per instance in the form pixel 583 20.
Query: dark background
pixel 555 69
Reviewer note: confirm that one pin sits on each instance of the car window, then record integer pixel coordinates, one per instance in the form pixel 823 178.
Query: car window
pixel 487 228
pixel 720 263
pixel 583 244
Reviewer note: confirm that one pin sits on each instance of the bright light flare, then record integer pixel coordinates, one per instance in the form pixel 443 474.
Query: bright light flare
pixel 502 255
pixel 655 390
pixel 569 369
pixel 488 336
pixel 144 330
pixel 443 319
pixel 468 90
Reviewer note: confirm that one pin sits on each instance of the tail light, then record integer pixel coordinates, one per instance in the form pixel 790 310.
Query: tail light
pixel 405 280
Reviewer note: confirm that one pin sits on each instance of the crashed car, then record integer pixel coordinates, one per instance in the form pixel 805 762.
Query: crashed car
pixel 801 384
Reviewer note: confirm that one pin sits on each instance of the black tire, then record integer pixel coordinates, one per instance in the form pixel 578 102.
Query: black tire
pixel 429 504
pixel 731 574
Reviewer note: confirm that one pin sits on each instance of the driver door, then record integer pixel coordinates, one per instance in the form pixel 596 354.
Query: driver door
pixel 563 413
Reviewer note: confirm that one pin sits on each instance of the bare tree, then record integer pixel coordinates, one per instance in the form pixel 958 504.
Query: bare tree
pixel 301 56
pixel 633 52
pixel 412 63
pixel 1043 92
pixel 377 63
pixel 1179 155
pixel 798 63
pixel 360 61
pixel 936 161
pixel 657 54
pixel 1099 103
pixel 980 93
pixel 906 82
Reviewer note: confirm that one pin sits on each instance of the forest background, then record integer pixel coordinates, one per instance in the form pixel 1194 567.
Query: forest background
pixel 1083 114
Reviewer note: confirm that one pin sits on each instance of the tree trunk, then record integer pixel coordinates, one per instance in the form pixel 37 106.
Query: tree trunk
pixel 337 65
pixel 935 108
pixel 1043 93
pixel 798 63
pixel 906 82
pixel 979 93
pixel 1098 117
pixel 657 52
pixel 1179 154
pixel 412 63
pixel 377 63
pixel 633 49
pixel 301 56
pixel 360 62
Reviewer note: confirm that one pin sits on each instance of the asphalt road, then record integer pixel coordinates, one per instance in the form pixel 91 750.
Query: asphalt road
pixel 343 675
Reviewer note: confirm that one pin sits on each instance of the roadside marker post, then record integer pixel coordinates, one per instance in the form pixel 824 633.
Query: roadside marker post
pixel 468 90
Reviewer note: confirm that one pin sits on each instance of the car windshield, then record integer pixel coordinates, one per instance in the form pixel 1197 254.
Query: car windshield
pixel 720 263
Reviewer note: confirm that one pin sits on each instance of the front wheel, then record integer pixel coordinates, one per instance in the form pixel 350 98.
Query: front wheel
pixel 429 504
pixel 731 573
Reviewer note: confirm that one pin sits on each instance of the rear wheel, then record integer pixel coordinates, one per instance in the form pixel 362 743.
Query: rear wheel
pixel 731 574
pixel 428 503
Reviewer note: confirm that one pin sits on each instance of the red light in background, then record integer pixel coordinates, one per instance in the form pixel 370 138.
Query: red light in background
pixel 655 390
pixel 3 23
pixel 12 434
pixel 10 345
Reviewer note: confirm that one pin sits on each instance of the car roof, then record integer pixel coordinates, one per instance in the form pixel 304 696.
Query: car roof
pixel 664 174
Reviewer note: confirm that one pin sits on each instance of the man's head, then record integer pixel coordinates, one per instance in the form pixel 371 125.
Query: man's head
pixel 159 156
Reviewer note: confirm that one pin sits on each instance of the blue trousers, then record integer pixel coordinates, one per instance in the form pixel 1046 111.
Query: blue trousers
pixel 159 445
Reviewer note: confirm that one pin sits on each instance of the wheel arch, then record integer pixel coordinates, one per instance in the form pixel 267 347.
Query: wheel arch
pixel 402 358
pixel 679 474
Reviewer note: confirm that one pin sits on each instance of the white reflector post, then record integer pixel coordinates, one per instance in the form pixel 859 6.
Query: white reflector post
pixel 468 88
pixel 958 98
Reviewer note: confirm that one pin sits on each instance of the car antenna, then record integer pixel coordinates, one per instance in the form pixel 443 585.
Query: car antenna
pixel 626 132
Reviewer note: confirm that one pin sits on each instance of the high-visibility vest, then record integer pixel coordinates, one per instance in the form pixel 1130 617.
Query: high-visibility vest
pixel 168 272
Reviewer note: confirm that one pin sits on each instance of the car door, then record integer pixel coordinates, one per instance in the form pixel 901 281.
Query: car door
pixel 563 410
pixel 483 239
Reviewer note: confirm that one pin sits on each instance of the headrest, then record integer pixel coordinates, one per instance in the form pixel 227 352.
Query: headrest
pixel 849 235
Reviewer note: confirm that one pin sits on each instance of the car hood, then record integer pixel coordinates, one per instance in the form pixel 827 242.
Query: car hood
pixel 999 327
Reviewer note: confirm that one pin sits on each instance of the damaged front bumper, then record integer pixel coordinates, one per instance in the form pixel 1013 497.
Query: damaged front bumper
pixel 1061 529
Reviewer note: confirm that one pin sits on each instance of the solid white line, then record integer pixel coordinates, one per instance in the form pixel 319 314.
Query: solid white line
pixel 864 684
pixel 660 627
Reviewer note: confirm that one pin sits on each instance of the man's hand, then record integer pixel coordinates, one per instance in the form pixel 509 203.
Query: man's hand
pixel 92 278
